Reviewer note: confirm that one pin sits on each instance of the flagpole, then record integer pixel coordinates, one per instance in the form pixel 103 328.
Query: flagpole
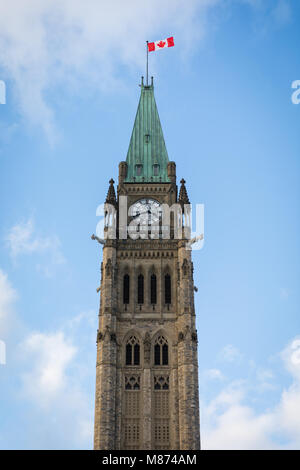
pixel 147 64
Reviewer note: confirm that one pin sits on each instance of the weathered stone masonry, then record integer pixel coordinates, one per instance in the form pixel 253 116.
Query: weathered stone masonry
pixel 147 369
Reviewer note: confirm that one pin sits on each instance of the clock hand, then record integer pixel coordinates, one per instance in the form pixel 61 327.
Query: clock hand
pixel 140 213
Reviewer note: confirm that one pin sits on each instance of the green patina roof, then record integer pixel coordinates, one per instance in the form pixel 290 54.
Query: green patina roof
pixel 147 146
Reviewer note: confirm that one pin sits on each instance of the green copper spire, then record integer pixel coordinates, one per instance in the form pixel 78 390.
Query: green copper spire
pixel 147 156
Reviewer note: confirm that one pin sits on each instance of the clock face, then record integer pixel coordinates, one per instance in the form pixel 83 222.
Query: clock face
pixel 146 210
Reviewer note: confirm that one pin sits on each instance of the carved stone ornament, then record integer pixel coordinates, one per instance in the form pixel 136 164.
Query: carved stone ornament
pixel 180 336
pixel 187 334
pixel 185 267
pixel 108 268
pixel 147 348
pixel 99 336
pixel 113 337
pixel 194 336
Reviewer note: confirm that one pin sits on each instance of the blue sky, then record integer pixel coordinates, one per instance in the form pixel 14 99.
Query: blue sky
pixel 71 71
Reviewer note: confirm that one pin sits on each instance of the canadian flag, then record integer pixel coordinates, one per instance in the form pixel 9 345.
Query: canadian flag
pixel 153 46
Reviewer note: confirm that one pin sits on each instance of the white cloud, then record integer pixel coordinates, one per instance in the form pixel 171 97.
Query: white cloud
pixel 70 42
pixel 213 374
pixel 230 354
pixel 56 382
pixel 230 422
pixel 49 356
pixel 22 239
pixel 265 380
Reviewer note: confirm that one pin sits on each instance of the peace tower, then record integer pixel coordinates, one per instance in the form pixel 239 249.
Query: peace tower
pixel 147 368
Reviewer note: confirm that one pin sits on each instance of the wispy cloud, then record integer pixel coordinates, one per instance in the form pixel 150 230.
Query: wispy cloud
pixel 230 421
pixel 49 356
pixel 68 43
pixel 23 239
pixel 52 378
pixel 230 354
pixel 56 382
pixel 213 374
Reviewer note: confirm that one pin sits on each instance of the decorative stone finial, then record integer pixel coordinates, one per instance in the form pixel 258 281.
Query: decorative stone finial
pixel 183 196
pixel 111 195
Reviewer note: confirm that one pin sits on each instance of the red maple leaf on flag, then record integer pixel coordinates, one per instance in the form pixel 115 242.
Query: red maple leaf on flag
pixel 153 46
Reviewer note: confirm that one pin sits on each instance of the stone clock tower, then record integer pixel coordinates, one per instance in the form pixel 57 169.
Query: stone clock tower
pixel 147 369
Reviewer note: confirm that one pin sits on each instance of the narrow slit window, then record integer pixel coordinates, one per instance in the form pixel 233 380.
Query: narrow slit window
pixel 126 284
pixel 165 355
pixel 140 289
pixel 157 355
pixel 128 354
pixel 136 356
pixel 153 289
pixel 167 289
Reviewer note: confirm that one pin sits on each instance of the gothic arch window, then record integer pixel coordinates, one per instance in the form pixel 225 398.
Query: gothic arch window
pixel 153 289
pixel 168 297
pixel 132 352
pixel 161 352
pixel 126 289
pixel 140 289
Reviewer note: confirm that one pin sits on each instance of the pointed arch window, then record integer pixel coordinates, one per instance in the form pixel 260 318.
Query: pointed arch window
pixel 161 352
pixel 132 352
pixel 153 289
pixel 168 297
pixel 140 289
pixel 126 287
